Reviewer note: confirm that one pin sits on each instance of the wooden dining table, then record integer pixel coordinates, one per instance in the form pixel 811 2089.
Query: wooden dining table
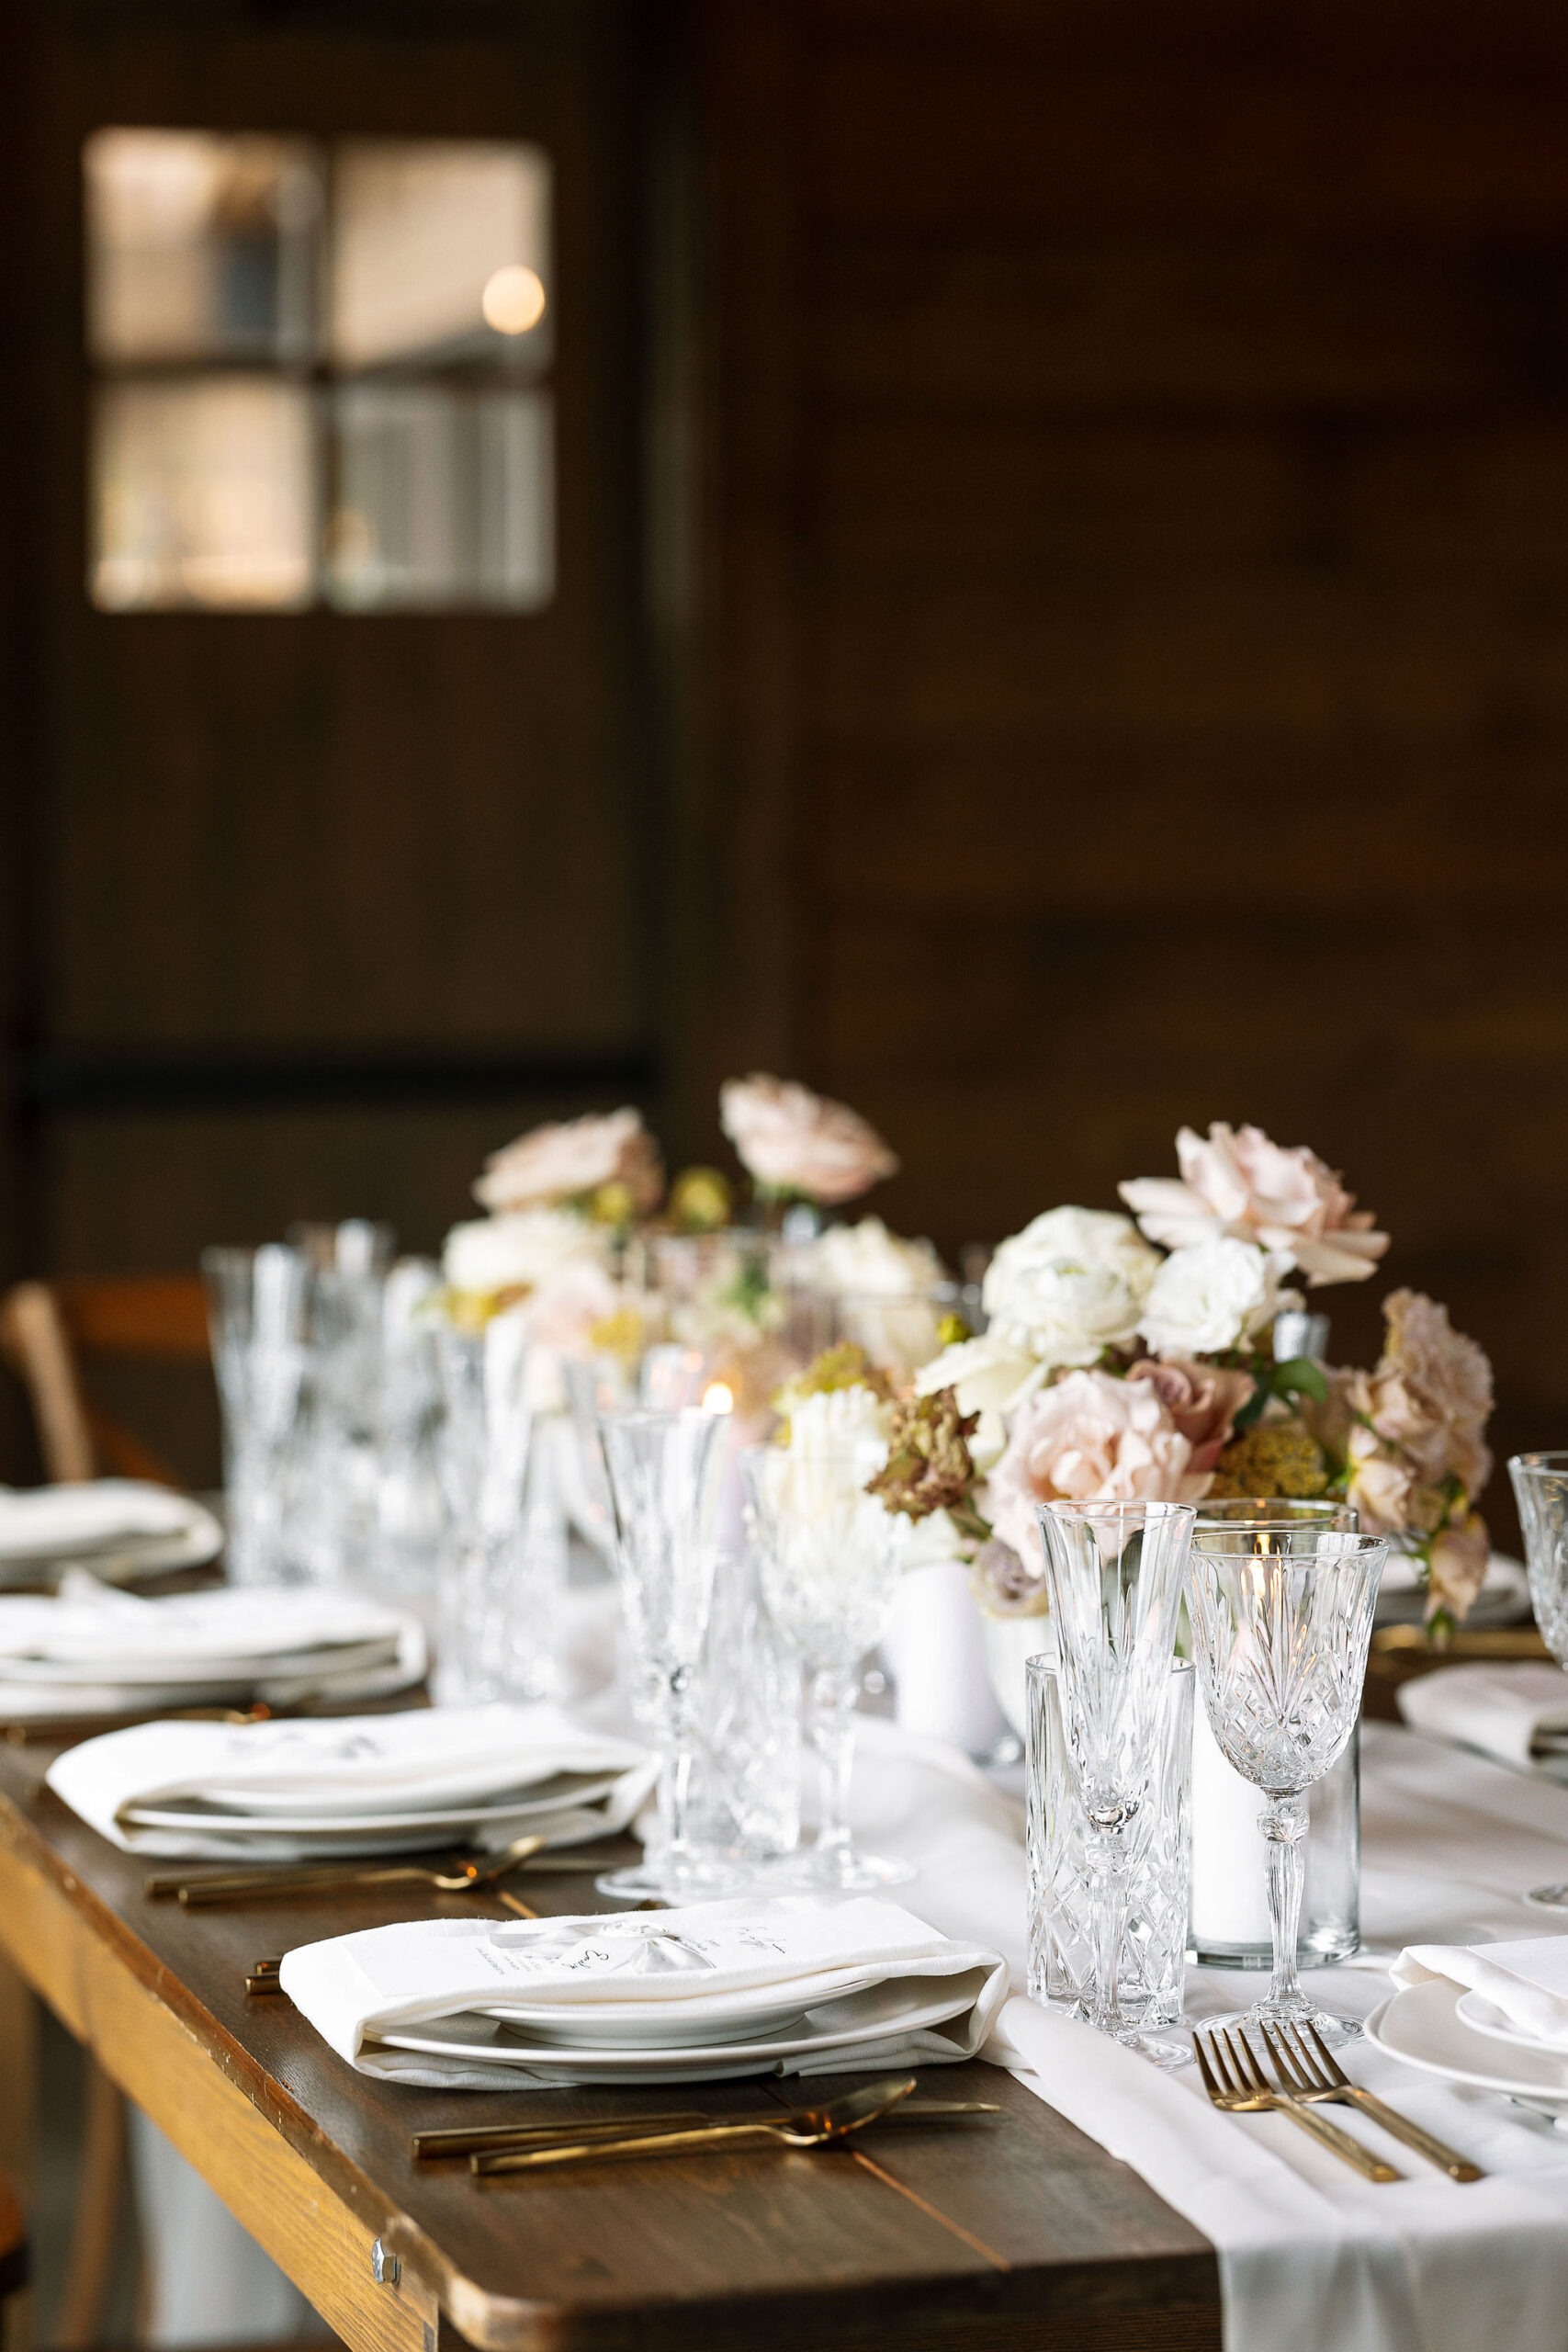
pixel 996 2233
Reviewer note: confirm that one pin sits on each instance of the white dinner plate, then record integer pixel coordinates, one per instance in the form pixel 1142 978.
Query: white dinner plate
pixel 875 2015
pixel 212 1820
pixel 1420 2026
pixel 319 1661
pixel 1485 2017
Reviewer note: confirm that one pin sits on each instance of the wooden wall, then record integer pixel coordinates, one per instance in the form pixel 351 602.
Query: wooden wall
pixel 1141 457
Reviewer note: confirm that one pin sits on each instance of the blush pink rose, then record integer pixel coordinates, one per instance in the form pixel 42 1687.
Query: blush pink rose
pixel 791 1140
pixel 1203 1401
pixel 1090 1438
pixel 1461 1557
pixel 1243 1184
pixel 564 1162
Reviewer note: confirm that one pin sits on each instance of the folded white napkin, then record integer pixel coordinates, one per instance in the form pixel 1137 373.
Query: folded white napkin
pixel 92 1627
pixel 279 1791
pixel 73 1522
pixel 703 1974
pixel 1527 1981
pixel 1514 1713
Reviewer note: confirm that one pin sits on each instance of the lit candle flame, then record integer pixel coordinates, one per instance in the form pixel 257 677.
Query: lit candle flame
pixel 718 1397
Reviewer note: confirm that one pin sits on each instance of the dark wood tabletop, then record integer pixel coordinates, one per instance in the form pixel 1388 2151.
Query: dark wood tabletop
pixel 1009 2230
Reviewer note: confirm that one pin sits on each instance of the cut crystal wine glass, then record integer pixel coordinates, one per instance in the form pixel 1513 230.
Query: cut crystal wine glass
pixel 663 1472
pixel 1114 1572
pixel 1541 1488
pixel 1281 1621
pixel 831 1556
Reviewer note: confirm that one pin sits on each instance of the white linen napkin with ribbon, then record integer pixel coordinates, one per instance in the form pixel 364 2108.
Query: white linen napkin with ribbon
pixel 1527 1980
pixel 697 1978
pixel 259 1791
pixel 1517 1712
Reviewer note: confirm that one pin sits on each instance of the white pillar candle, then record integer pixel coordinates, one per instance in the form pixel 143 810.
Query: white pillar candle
pixel 934 1648
pixel 1230 1867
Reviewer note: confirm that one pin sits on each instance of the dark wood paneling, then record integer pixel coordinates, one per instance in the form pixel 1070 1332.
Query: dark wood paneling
pixel 1178 526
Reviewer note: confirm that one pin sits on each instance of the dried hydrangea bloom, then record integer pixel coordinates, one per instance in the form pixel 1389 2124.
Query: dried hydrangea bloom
pixel 928 1465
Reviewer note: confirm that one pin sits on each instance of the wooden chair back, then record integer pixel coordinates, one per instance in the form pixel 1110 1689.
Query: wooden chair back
pixel 13 2252
pixel 49 1332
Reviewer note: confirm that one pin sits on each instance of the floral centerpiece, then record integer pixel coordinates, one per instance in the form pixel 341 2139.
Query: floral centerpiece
pixel 1132 1357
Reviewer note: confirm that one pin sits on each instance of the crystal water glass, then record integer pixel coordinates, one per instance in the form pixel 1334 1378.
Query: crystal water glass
pixel 831 1557
pixel 1151 1965
pixel 257 1303
pixel 1114 1572
pixel 1541 1489
pixel 495 1634
pixel 1281 1622
pixel 662 1471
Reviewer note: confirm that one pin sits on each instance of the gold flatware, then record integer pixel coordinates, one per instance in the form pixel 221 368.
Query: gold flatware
pixel 1318 2078
pixel 803 2127
pixel 514 1902
pixel 1235 2082
pixel 239 1886
pixel 466 2140
pixel 263 1976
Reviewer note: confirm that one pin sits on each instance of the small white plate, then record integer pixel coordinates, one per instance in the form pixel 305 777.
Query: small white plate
pixel 875 2015
pixel 1420 2027
pixel 1483 2015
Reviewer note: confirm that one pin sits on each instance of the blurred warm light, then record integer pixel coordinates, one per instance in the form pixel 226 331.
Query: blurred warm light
pixel 718 1398
pixel 422 229
pixel 513 299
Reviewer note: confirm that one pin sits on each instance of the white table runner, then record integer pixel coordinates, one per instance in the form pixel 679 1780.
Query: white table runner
pixel 1311 2257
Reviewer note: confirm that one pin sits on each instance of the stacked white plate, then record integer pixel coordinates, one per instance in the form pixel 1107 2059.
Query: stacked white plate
pixel 1504 1598
pixel 119 1528
pixel 322 1789
pixel 1498 2023
pixel 91 1651
pixel 792 1985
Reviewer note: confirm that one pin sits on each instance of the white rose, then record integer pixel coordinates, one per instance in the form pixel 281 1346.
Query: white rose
pixel 989 1376
pixel 1213 1296
pixel 517 1252
pixel 1070 1286
pixel 866 1259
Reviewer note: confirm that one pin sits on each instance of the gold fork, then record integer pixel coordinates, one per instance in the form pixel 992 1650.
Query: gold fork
pixel 803 2127
pixel 1238 2085
pixel 255 1885
pixel 1321 2078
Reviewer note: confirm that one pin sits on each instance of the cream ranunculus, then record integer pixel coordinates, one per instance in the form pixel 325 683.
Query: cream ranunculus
pixel 517 1253
pixel 1217 1295
pixel 1243 1184
pixel 575 1159
pixel 1091 1437
pixel 1070 1286
pixel 791 1140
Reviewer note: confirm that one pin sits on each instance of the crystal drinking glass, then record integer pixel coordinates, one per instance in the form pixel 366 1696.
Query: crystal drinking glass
pixel 663 1472
pixel 1114 1572
pixel 257 1303
pixel 1282 1620
pixel 494 1634
pixel 831 1557
pixel 1541 1489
